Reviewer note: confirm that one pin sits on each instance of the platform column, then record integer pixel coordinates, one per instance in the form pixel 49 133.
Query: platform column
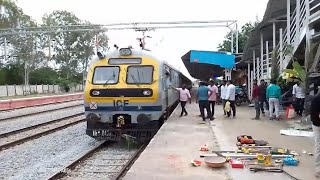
pixel 227 73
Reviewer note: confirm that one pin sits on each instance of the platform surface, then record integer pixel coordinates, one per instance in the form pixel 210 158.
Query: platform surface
pixel 168 155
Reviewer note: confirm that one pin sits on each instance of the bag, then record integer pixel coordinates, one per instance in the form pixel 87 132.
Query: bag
pixel 227 107
pixel 290 112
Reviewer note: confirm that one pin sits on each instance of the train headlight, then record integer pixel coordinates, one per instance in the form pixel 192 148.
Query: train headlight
pixel 147 92
pixel 95 93
pixel 125 52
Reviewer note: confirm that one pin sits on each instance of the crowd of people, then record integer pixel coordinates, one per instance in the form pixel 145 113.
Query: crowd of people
pixel 207 96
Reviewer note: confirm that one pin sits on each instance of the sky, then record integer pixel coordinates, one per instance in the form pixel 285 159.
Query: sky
pixel 169 44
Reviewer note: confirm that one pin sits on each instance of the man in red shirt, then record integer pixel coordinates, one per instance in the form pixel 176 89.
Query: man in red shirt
pixel 255 98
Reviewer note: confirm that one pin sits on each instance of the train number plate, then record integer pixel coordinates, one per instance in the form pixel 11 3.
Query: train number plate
pixel 101 133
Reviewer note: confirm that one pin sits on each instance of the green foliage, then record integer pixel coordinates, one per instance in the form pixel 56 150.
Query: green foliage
pixel 45 75
pixel 12 74
pixel 298 72
pixel 243 36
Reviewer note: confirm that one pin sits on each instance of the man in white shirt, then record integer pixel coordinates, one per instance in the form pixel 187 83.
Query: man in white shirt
pixel 298 98
pixel 223 94
pixel 231 97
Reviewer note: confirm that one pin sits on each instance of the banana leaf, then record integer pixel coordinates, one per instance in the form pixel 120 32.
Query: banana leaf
pixel 293 72
pixel 299 69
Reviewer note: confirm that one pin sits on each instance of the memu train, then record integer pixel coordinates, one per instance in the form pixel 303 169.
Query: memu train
pixel 128 92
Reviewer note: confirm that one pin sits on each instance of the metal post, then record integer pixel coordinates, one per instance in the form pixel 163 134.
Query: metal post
pixel 15 90
pixel 267 59
pixel 237 39
pixel 5 49
pixel 261 58
pixel 274 36
pixel 288 21
pixel 251 84
pixel 7 89
pixel 231 41
pixel 258 69
pixel 297 22
pixel 281 50
pixel 249 76
pixel 254 64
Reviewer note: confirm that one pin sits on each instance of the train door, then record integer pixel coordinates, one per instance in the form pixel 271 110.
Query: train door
pixel 167 83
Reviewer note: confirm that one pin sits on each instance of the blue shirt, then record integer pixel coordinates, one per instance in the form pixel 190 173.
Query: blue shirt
pixel 203 93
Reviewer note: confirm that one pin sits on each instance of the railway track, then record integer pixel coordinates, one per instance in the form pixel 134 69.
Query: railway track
pixel 10 139
pixel 40 112
pixel 101 162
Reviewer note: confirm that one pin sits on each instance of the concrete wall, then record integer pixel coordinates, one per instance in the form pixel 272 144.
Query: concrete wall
pixel 20 90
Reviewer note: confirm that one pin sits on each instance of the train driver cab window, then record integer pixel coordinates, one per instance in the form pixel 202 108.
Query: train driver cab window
pixel 140 75
pixel 106 75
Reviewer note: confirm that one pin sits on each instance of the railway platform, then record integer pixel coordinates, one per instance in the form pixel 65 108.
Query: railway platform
pixel 10 104
pixel 169 154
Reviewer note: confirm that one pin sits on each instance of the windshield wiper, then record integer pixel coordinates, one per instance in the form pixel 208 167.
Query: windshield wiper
pixel 138 75
pixel 135 81
pixel 111 77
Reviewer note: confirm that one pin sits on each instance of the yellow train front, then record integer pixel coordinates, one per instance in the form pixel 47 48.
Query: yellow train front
pixel 127 92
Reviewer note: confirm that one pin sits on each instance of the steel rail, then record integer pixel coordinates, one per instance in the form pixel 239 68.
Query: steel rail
pixel 128 165
pixel 31 137
pixel 72 165
pixel 34 113
pixel 38 125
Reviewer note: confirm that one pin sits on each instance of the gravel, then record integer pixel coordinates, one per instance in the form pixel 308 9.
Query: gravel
pixel 15 137
pixel 42 157
pixel 24 111
pixel 104 164
pixel 18 123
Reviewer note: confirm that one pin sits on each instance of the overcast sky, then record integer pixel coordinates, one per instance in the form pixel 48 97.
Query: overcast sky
pixel 170 43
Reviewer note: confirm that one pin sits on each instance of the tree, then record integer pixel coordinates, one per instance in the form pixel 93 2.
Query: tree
pixel 243 36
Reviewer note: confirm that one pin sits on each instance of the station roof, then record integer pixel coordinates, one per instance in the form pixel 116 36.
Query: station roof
pixel 207 64
pixel 276 12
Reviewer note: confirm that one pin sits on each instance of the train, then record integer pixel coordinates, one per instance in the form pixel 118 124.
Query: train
pixel 130 92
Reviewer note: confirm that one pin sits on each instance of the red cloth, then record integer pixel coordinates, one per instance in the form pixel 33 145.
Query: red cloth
pixel 255 92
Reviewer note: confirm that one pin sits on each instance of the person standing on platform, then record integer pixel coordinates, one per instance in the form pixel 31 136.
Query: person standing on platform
pixel 274 96
pixel 202 97
pixel 231 97
pixel 184 96
pixel 223 95
pixel 255 98
pixel 213 96
pixel 315 118
pixel 262 92
pixel 298 95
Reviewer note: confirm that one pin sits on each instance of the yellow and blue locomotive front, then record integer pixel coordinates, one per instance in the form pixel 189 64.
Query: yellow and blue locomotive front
pixel 122 96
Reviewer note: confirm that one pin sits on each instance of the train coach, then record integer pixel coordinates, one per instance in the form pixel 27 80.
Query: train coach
pixel 128 92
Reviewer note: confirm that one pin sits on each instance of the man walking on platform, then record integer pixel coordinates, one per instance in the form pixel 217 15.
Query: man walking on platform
pixel 202 98
pixel 184 96
pixel 262 94
pixel 298 95
pixel 231 97
pixel 213 96
pixel 274 96
pixel 223 94
pixel 255 97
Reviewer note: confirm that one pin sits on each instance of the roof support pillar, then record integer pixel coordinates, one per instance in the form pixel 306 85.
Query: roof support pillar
pixel 237 43
pixel 274 36
pixel 254 64
pixel 267 59
pixel 288 21
pixel 281 50
pixel 231 41
pixel 258 69
pixel 249 80
pixel 261 56
pixel 297 22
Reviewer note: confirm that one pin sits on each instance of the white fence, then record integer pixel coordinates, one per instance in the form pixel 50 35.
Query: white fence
pixel 21 90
